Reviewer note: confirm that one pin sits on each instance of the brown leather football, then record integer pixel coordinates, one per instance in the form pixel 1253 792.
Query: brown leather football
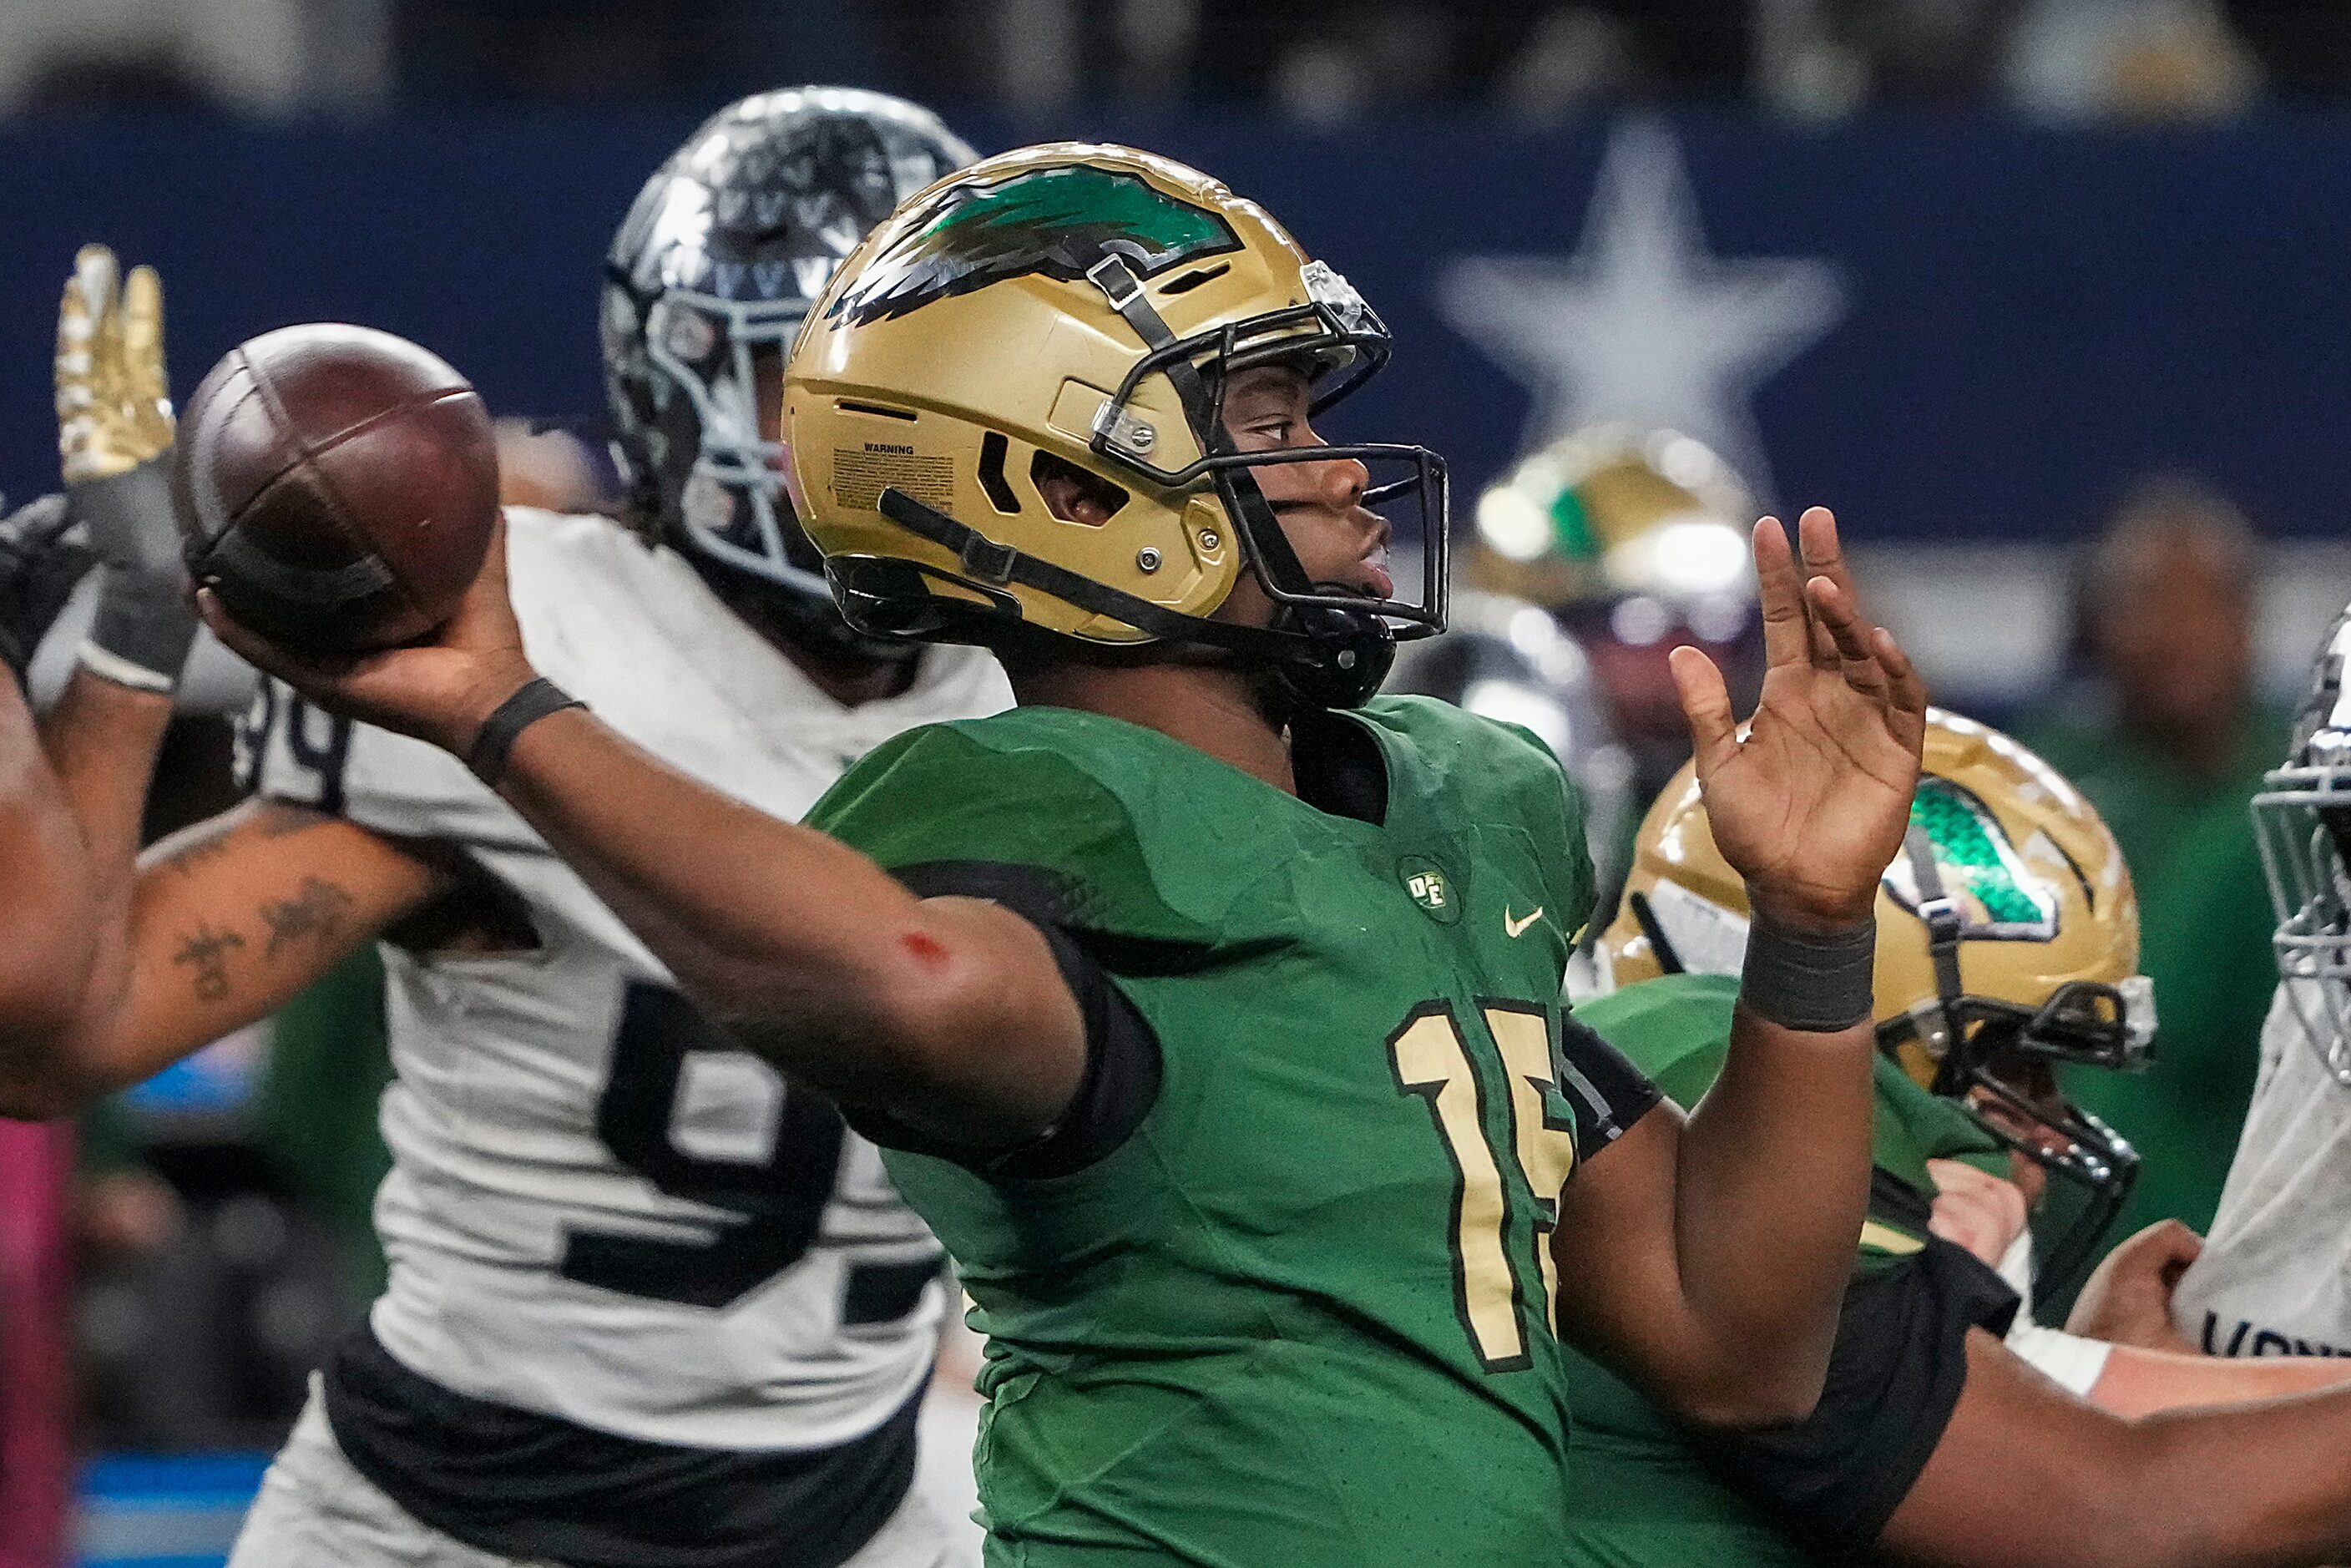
pixel 336 486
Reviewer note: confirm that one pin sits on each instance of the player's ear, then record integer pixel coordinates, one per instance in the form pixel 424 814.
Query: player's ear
pixel 1073 495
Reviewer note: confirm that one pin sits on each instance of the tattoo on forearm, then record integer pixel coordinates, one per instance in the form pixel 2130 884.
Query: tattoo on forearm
pixel 187 857
pixel 315 912
pixel 206 951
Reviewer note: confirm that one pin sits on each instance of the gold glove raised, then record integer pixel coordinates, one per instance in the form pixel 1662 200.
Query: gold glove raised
pixel 114 408
pixel 115 433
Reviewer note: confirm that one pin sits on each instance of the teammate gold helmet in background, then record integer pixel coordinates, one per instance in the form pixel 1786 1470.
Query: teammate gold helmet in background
pixel 1637 539
pixel 711 274
pixel 2007 942
pixel 1611 512
pixel 1079 308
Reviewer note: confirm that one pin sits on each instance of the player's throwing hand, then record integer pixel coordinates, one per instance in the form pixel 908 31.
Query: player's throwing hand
pixel 1811 803
pixel 439 688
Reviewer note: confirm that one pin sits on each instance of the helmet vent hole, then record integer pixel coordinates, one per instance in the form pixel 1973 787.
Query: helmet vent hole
pixel 877 410
pixel 1186 282
pixel 992 450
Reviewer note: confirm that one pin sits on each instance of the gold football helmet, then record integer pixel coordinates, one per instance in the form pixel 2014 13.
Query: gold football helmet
pixel 1082 304
pixel 1637 538
pixel 2007 942
pixel 1611 512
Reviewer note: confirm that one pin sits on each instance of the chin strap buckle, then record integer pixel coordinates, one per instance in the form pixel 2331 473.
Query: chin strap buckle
pixel 986 559
pixel 1945 923
pixel 1117 280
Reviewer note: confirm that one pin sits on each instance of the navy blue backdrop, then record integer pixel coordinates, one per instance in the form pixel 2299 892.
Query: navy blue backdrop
pixel 2030 317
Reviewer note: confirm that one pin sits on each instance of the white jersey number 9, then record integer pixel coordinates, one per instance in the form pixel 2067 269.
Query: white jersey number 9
pixel 781 1198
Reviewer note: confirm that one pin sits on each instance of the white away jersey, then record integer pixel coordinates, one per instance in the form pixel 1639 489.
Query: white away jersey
pixel 2274 1277
pixel 598 1210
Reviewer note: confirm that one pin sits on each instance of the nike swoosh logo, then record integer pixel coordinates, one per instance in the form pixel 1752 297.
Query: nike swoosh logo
pixel 1519 927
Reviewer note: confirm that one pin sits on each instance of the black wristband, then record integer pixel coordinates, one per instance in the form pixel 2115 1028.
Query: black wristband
pixel 1816 984
pixel 538 698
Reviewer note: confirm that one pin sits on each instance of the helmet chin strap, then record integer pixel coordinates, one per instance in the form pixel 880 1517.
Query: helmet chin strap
pixel 1360 650
pixel 1305 671
pixel 1941 914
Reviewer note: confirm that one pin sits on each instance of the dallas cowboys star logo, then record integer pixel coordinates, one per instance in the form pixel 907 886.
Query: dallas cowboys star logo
pixel 1641 325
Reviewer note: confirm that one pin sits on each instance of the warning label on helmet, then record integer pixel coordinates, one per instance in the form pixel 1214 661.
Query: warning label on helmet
pixel 859 475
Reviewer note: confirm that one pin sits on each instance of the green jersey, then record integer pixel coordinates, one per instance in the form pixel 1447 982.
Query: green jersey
pixel 1644 1495
pixel 1299 1313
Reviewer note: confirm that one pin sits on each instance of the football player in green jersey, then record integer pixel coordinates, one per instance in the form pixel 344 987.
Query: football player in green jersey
pixel 1209 1007
pixel 2008 941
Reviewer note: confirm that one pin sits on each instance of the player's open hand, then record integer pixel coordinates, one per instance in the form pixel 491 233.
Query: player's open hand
pixel 438 689
pixel 1811 802
pixel 1976 1210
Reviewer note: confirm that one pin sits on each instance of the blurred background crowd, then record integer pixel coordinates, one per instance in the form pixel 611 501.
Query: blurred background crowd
pixel 2044 295
pixel 1319 61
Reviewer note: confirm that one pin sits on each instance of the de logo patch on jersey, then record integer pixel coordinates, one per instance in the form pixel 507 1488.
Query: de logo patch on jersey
pixel 1430 888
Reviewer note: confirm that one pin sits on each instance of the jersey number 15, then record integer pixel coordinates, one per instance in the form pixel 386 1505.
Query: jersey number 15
pixel 1433 1058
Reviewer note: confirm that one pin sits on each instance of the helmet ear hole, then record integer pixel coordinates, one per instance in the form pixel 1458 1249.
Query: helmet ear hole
pixel 1073 495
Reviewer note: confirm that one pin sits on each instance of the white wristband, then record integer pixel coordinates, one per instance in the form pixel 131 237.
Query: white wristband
pixel 2073 1363
pixel 112 666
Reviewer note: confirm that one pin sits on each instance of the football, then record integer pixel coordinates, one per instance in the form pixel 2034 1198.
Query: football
pixel 336 486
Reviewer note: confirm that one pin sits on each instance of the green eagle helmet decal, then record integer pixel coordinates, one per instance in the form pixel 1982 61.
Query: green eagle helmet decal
pixel 1057 222
pixel 2000 897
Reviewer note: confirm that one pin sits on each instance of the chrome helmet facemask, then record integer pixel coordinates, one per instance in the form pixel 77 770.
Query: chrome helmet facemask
pixel 732 504
pixel 2302 819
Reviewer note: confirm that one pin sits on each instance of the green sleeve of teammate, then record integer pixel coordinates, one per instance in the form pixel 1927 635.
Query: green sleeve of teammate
pixel 1660 1502
pixel 1676 1029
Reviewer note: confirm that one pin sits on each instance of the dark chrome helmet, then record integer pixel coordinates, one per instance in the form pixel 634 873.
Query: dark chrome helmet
pixel 711 274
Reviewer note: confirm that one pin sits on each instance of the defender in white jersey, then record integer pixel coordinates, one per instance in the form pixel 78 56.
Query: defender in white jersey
pixel 2274 1277
pixel 650 1307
